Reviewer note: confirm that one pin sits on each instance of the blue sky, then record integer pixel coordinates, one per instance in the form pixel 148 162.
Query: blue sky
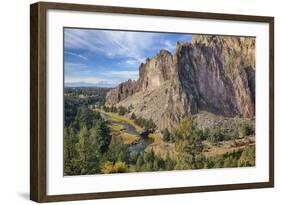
pixel 105 58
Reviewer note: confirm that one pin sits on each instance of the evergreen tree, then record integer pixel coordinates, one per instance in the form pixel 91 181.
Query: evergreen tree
pixel 134 156
pixel 188 144
pixel 139 163
pixel 115 148
pixel 86 117
pixel 156 164
pixel 82 148
pixel 102 135
pixel 169 163
pixel 69 152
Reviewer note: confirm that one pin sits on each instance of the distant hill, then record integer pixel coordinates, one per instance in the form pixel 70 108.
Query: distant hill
pixel 83 84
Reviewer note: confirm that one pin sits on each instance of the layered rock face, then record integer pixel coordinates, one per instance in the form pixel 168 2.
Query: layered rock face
pixel 212 73
pixel 234 57
pixel 121 92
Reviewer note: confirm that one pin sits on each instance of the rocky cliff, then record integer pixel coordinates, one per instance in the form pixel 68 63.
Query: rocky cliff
pixel 212 73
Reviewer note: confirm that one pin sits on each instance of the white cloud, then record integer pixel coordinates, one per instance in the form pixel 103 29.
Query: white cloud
pixel 71 69
pixel 71 79
pixel 110 43
pixel 168 45
pixel 132 62
pixel 69 65
pixel 123 74
pixel 90 80
pixel 77 55
pixel 111 78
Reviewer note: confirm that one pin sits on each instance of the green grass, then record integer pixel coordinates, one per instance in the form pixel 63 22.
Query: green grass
pixel 117 118
pixel 128 138
pixel 116 127
pixel 155 137
pixel 117 130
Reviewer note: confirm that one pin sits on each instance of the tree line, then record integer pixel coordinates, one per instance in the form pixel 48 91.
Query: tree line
pixel 188 144
pixel 90 149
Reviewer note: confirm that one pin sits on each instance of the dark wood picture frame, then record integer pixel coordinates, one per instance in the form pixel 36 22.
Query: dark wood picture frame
pixel 38 95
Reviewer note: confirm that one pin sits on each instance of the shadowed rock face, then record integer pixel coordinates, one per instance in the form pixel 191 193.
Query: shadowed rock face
pixel 236 56
pixel 215 74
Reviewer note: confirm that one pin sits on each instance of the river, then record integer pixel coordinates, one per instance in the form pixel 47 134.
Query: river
pixel 138 146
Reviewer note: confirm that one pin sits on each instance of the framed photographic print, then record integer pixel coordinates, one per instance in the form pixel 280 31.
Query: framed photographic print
pixel 134 102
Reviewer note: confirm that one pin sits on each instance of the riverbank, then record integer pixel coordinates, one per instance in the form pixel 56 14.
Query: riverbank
pixel 129 132
pixel 117 118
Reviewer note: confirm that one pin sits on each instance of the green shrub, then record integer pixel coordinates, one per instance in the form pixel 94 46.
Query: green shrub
pixel 247 158
pixel 108 167
pixel 166 135
pixel 149 156
pixel 122 110
pixel 234 134
pixel 205 133
pixel 150 125
pixel 247 129
pixel 113 109
pixel 215 136
pixel 133 116
pixel 140 121
pixel 120 167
